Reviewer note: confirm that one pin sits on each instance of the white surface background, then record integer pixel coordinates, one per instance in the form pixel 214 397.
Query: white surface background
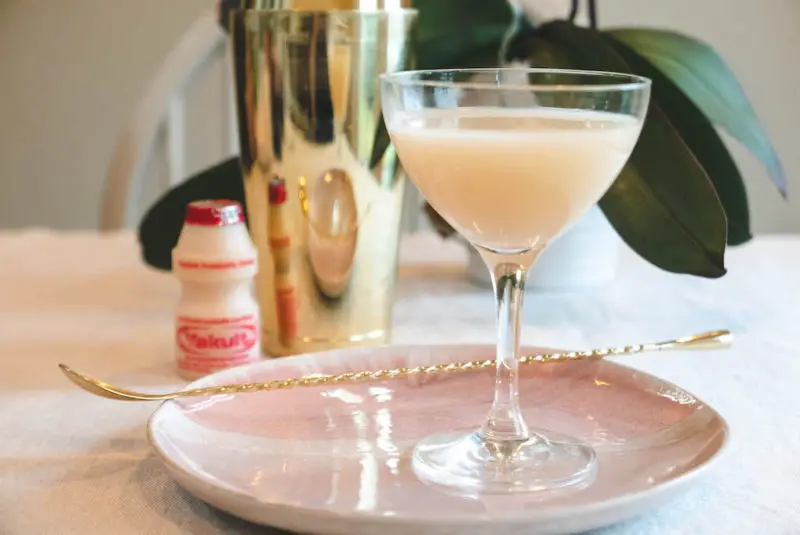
pixel 74 464
pixel 72 70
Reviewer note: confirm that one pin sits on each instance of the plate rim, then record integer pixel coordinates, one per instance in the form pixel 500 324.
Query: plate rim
pixel 553 513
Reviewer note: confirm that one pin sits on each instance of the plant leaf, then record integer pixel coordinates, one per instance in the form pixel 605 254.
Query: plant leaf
pixel 701 137
pixel 536 52
pixel 448 31
pixel 663 203
pixel 708 81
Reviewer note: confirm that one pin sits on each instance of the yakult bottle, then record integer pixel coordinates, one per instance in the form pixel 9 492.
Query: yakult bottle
pixel 217 321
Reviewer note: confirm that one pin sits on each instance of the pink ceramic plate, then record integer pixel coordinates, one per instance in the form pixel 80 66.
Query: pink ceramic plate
pixel 335 459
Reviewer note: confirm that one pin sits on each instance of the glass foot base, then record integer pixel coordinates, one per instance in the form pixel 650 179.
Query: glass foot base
pixel 470 464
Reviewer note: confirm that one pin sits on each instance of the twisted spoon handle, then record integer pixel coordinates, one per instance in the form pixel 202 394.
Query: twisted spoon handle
pixel 708 340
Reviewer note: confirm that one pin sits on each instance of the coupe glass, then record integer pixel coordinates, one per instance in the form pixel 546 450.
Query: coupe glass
pixel 511 158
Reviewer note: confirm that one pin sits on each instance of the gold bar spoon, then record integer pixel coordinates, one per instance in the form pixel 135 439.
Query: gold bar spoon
pixel 707 340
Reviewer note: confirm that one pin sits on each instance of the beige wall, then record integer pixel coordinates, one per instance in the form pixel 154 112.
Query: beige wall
pixel 71 71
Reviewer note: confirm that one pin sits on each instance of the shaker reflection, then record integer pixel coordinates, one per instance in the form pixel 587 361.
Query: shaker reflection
pixel 332 232
pixel 280 243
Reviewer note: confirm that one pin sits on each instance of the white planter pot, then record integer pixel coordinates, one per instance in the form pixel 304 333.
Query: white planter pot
pixel 585 256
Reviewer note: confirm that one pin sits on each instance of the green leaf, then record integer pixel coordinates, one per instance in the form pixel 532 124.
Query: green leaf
pixel 449 31
pixel 663 203
pixel 708 81
pixel 437 17
pixel 536 52
pixel 701 137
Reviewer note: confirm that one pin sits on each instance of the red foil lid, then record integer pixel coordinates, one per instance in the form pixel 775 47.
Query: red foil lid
pixel 214 213
pixel 277 190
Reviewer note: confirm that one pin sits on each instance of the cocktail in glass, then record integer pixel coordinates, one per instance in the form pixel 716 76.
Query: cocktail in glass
pixel 511 158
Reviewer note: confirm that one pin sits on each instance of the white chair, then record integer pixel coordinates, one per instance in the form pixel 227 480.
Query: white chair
pixel 160 117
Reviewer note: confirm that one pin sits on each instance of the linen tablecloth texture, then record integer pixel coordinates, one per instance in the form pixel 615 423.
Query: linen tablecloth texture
pixel 71 463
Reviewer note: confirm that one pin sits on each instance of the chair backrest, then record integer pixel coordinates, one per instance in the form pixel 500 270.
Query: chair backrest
pixel 160 116
pixel 162 109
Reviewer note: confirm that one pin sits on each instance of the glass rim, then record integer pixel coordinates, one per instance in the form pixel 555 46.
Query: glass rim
pixel 406 78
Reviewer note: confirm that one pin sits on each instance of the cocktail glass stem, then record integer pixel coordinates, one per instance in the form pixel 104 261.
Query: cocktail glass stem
pixel 504 455
pixel 505 426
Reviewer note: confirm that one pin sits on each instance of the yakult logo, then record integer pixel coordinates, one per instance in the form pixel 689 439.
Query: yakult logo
pixel 217 340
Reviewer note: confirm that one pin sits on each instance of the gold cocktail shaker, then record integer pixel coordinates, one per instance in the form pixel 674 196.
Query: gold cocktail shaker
pixel 324 193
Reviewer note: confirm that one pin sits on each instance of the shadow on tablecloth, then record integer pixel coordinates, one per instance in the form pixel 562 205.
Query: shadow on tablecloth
pixel 169 501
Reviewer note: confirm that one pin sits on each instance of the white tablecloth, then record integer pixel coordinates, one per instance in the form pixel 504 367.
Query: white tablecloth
pixel 71 463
